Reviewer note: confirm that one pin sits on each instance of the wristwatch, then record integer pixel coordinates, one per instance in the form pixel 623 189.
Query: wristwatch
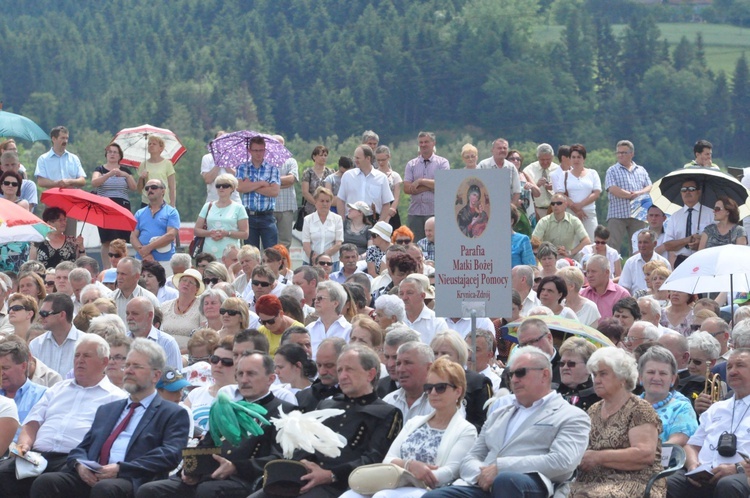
pixel 739 468
pixel 333 477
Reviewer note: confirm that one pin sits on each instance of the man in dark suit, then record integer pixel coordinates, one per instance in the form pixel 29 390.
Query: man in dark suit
pixel 134 440
pixel 239 467
pixel 327 383
pixel 368 424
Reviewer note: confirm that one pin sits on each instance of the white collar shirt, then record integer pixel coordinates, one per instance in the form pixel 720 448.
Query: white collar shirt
pixel 731 415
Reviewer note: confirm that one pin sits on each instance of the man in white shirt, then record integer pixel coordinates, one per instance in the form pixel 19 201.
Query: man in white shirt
pixel 128 273
pixel 64 414
pixel 686 225
pixel 413 362
pixel 704 449
pixel 413 291
pixel 539 172
pixel 56 347
pixel 522 281
pixel 140 319
pixel 262 282
pixel 499 153
pixel 365 183
pixel 632 277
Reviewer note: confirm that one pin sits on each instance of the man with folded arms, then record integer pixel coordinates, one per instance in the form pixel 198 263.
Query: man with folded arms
pixel 133 440
pixel 530 447
pixel 61 418
pixel 238 466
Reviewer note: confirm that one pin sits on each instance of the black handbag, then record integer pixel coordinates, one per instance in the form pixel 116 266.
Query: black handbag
pixel 196 246
pixel 300 222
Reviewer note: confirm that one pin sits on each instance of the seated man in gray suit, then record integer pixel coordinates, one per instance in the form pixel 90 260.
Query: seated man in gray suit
pixel 528 448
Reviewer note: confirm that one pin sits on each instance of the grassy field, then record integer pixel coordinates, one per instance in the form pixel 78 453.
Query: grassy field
pixel 724 44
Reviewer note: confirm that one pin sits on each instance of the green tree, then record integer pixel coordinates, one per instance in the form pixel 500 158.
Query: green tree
pixel 684 54
pixel 640 49
pixel 741 104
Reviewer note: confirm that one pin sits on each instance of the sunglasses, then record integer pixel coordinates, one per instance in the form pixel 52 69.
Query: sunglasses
pixel 113 255
pixel 151 187
pixel 688 189
pixel 325 263
pixel 521 372
pixel 262 284
pixel 45 313
pixel 215 360
pixel 224 311
pixel 569 364
pixel 18 307
pixel 600 242
pixel 267 322
pixel 718 209
pixel 439 388
pixel 697 363
pixel 223 185
pixel 211 281
pixel 49 283
pixel 10 184
pixel 556 203
pixel 403 242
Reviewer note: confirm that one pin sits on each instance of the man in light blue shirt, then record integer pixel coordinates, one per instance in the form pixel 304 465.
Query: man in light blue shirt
pixel 16 385
pixel 60 168
pixel 140 319
pixel 56 347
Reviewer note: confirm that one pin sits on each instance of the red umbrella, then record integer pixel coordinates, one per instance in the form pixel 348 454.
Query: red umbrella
pixel 134 144
pixel 90 208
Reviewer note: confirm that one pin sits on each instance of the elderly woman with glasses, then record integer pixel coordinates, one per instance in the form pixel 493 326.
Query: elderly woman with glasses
pixel 201 398
pixel 209 307
pixel 432 446
pixel 624 448
pixel 330 299
pixel 119 345
pixel 576 385
pixel 181 315
pixel 225 220
pixel 657 373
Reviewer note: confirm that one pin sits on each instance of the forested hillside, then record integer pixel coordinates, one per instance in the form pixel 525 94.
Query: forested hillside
pixel 328 69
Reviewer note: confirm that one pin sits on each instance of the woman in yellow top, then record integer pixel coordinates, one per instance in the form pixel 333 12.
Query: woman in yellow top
pixel 273 320
pixel 156 167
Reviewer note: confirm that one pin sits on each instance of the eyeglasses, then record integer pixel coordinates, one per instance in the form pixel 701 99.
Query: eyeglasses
pixel 215 360
pixel 600 242
pixel 261 283
pixel 224 311
pixel 628 340
pixel 18 307
pixel 521 372
pixel 514 159
pixel 211 281
pixel 439 388
pixel 151 187
pixel 569 364
pixel 688 189
pixel 113 255
pixel 529 343
pixel 45 313
pixel 403 242
pixel 325 263
pixel 556 203
pixel 697 362
pixel 319 298
pixel 117 357
pixel 10 184
pixel 223 185
pixel 268 322
pixel 49 283
pixel 716 208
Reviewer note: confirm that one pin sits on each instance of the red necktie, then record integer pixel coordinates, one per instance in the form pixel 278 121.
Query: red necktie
pixel 107 447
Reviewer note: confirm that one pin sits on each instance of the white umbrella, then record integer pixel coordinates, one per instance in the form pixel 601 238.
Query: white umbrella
pixel 21 233
pixel 716 269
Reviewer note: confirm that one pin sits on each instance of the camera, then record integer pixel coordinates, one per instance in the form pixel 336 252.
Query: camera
pixel 727 445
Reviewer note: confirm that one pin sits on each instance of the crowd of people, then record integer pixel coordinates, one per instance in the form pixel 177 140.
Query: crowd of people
pixel 109 371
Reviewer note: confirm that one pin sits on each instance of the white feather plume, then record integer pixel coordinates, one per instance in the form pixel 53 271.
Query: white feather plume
pixel 305 431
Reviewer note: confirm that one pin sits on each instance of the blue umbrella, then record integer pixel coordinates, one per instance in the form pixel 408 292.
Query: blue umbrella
pixel 17 126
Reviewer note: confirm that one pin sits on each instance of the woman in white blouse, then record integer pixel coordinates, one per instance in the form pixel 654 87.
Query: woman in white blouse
pixel 582 186
pixel 432 446
pixel 323 231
